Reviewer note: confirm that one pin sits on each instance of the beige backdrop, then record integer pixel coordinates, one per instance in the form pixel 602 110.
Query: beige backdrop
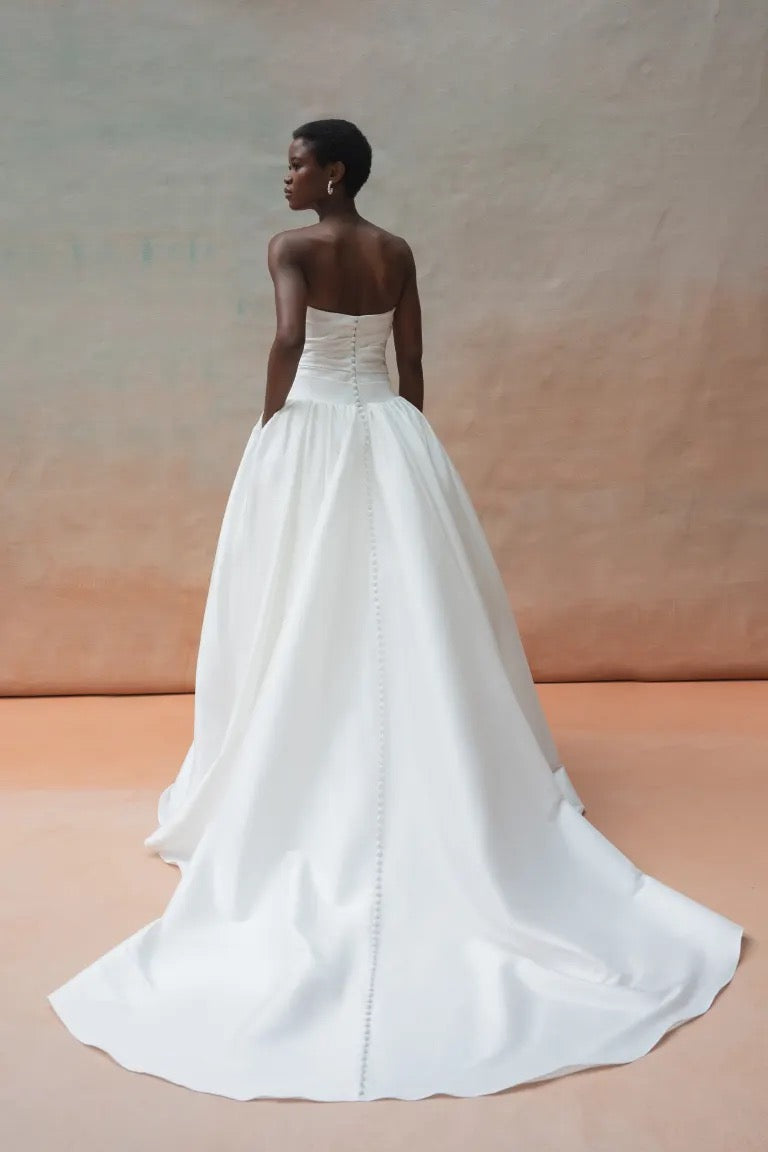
pixel 584 187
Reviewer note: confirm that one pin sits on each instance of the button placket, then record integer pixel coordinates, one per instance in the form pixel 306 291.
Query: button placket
pixel 376 910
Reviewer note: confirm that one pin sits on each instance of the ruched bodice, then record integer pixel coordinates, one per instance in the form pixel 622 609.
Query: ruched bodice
pixel 344 354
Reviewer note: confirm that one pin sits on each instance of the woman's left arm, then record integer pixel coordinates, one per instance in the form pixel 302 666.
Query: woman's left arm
pixel 285 267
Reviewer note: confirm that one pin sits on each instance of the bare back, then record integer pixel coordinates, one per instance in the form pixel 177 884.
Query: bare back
pixel 353 267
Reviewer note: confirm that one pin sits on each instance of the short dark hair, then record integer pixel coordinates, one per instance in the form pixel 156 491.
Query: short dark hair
pixel 339 140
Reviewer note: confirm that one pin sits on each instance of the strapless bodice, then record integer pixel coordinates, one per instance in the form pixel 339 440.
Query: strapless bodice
pixel 344 357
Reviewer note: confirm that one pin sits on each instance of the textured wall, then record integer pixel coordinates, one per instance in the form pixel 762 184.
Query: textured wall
pixel 584 188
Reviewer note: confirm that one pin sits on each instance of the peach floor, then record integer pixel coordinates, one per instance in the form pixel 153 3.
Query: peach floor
pixel 674 774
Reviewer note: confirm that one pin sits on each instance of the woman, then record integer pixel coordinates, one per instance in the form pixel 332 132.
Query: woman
pixel 388 886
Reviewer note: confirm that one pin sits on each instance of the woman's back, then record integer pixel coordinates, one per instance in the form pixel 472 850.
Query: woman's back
pixel 343 264
pixel 352 266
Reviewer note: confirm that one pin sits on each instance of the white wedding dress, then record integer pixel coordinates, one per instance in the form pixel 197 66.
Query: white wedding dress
pixel 388 887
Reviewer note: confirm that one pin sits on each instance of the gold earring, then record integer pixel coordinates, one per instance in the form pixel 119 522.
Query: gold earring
pixel 330 187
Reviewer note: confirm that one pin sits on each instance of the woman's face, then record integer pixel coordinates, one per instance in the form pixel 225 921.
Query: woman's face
pixel 306 182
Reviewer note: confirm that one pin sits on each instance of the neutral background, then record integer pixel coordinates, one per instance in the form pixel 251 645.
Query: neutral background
pixel 584 189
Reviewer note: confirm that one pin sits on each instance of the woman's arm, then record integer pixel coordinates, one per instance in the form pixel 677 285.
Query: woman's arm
pixel 283 259
pixel 406 329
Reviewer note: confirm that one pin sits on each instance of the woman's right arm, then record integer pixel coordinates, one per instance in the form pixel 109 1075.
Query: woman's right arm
pixel 406 329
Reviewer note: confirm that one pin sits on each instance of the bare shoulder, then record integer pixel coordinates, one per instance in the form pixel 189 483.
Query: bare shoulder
pixel 289 246
pixel 406 252
pixel 398 245
pixel 398 255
